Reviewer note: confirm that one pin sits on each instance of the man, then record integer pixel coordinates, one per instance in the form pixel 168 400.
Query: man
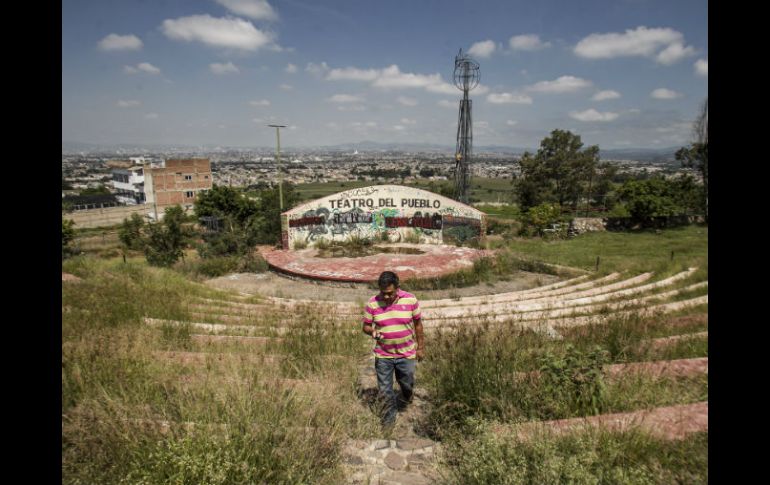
pixel 392 318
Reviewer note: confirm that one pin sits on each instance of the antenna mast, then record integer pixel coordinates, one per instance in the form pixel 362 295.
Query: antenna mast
pixel 466 77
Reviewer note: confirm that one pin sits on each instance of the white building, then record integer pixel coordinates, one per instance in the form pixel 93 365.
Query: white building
pixel 129 185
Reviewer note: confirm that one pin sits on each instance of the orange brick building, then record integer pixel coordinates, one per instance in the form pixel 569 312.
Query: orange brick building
pixel 177 183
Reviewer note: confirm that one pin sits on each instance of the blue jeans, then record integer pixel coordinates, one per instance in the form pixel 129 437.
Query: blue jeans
pixel 404 370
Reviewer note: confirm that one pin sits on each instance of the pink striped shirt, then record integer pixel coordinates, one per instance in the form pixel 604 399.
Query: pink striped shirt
pixel 395 323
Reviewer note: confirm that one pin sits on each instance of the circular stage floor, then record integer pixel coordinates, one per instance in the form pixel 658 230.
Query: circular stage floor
pixel 434 261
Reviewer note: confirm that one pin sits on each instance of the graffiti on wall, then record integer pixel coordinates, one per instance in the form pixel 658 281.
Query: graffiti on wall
pixel 306 221
pixel 426 221
pixel 372 212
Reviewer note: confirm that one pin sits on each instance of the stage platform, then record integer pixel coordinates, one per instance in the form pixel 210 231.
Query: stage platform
pixel 435 260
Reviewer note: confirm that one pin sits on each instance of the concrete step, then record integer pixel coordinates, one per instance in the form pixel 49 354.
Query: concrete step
pixel 668 422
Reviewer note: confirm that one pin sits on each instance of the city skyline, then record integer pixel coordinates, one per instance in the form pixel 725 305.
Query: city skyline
pixel 623 73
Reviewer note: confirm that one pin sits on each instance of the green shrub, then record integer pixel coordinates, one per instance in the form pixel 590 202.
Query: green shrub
pixel 411 237
pixel 130 232
pixel 299 244
pixel 322 243
pixel 217 266
pixel 253 263
pixel 540 218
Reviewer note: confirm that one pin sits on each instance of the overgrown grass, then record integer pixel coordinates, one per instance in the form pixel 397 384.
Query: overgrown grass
pixel 487 269
pixel 201 268
pixel 243 426
pixel 585 458
pixel 618 251
pixel 523 375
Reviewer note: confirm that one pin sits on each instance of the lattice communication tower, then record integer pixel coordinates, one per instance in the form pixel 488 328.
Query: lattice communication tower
pixel 466 77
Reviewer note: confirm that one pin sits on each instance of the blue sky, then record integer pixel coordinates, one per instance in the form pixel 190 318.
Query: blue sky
pixel 620 73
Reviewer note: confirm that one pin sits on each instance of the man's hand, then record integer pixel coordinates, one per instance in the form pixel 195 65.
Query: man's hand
pixel 420 355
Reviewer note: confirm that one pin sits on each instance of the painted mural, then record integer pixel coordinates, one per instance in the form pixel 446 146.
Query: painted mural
pixel 394 212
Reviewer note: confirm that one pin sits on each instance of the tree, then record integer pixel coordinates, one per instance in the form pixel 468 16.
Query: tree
pixel 100 190
pixel 130 232
pixel 697 154
pixel 268 229
pixel 244 222
pixel 561 171
pixel 166 240
pixel 67 234
pixel 222 201
pixel 648 198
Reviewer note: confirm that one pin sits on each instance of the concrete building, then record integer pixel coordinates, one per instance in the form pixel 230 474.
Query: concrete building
pixel 129 185
pixel 178 182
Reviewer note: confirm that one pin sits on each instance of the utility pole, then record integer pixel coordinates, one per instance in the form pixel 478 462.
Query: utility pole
pixel 278 160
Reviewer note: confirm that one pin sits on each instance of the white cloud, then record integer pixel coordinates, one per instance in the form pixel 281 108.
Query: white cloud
pixel 507 98
pixel 256 9
pixel 354 107
pixel 332 125
pixel 663 93
pixel 399 127
pixel 592 115
pixel 702 67
pixel 511 122
pixel 664 44
pixel 527 42
pixel 370 124
pixel 128 103
pixel 447 104
pixel 317 69
pixel 346 98
pixel 148 68
pixel 391 77
pixel 115 42
pixel 291 68
pixel 352 74
pixel 217 68
pixel 143 66
pixel 407 121
pixel 564 84
pixel 484 48
pixel 261 102
pixel 603 95
pixel 674 53
pixel 407 101
pixel 151 116
pixel 286 87
pixel 218 32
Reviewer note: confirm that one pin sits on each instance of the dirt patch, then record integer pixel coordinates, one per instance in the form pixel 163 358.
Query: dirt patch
pixel 69 277
pixel 272 284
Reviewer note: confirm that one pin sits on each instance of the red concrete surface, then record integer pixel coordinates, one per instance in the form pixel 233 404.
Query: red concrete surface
pixel 437 260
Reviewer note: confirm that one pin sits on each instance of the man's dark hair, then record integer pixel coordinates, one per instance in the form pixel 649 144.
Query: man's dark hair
pixel 387 278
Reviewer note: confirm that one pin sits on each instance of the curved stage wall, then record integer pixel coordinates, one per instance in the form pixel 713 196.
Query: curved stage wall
pixel 367 212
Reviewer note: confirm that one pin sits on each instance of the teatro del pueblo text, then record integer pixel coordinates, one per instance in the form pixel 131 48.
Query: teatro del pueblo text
pixel 380 212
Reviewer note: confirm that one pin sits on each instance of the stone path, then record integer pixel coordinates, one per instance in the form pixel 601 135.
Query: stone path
pixel 402 457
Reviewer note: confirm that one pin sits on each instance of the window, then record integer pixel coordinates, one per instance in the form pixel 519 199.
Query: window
pixel 206 177
pixel 189 194
pixel 188 177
